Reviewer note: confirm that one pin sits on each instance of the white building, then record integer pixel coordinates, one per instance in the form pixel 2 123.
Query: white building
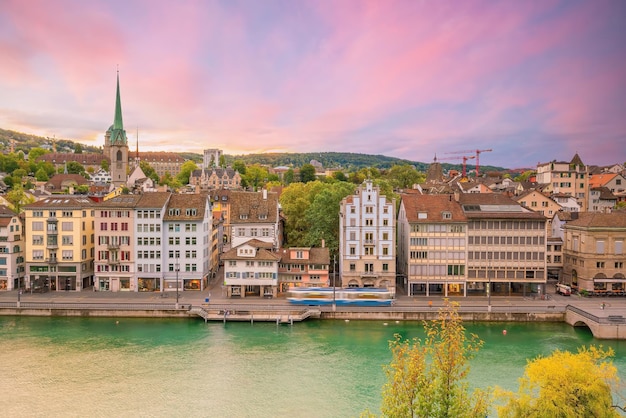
pixel 251 269
pixel 367 239
pixel 187 225
pixel 11 250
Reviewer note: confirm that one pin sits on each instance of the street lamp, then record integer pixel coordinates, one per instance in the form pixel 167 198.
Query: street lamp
pixel 177 269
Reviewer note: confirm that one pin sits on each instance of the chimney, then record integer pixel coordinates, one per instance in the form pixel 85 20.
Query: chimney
pixel 323 243
pixel 264 194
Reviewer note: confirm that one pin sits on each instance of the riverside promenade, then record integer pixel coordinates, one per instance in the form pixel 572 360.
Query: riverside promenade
pixel 606 317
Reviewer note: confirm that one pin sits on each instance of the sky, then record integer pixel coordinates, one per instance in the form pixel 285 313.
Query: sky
pixel 533 81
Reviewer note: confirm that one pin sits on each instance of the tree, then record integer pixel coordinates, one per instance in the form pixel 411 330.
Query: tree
pixel 404 176
pixel 104 164
pixel 222 161
pixel 256 176
pixel 17 198
pixel 41 175
pixel 78 149
pixel 564 385
pixel 340 176
pixel 35 153
pixel 307 173
pixel 240 167
pixel 149 171
pixel 185 172
pixel 428 378
pixel 289 176
pixel 74 167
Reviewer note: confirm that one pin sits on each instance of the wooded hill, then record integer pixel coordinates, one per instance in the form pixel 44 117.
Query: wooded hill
pixel 346 161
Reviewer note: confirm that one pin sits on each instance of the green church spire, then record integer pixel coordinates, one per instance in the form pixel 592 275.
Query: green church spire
pixel 118 134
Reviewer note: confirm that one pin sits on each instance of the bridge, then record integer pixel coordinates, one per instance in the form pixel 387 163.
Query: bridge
pixel 602 327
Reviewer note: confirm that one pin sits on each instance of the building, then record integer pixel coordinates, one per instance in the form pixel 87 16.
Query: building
pixel 593 250
pixel 211 158
pixel 432 245
pixel 187 224
pixel 11 251
pixel 303 267
pixel 59 244
pixel 251 269
pixel 506 246
pixel 601 199
pixel 115 249
pixel 569 178
pixel 116 144
pixel 215 178
pixel 254 215
pixel 367 234
pixel 163 162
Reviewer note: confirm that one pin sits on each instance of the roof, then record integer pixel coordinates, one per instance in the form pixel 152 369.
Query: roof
pixel 160 156
pixel 599 220
pixel 154 200
pixel 84 159
pixel 261 253
pixel 434 205
pixel 184 202
pixel 249 207
pixel 317 255
pixel 121 201
pixel 599 180
pixel 58 180
pixel 495 206
pixel 73 202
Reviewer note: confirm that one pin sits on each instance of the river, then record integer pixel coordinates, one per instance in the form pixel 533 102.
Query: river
pixel 102 367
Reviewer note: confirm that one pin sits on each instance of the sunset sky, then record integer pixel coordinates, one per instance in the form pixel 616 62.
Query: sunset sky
pixel 533 80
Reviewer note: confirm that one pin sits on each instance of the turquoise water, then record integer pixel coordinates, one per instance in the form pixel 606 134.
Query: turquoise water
pixel 168 368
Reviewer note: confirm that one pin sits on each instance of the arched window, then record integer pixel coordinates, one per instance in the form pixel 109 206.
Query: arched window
pixel 119 155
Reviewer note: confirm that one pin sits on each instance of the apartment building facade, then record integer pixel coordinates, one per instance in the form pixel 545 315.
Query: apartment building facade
pixel 432 243
pixel 367 236
pixel 254 215
pixel 11 251
pixel 59 245
pixel 567 178
pixel 251 269
pixel 303 267
pixel 188 224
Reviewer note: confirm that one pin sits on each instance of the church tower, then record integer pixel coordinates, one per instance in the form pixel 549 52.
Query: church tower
pixel 116 144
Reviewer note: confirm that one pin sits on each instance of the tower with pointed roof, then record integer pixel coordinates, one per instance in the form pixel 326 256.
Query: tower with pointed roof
pixel 116 144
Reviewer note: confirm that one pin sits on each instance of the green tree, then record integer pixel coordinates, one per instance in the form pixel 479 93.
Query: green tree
pixel 74 167
pixel 35 153
pixel 170 181
pixel 525 175
pixel 149 171
pixel 307 173
pixel 17 198
pixel 240 167
pixel 42 175
pixel 256 176
pixel 340 176
pixel 78 149
pixel 564 385
pixel 222 161
pixel 404 176
pixel 323 215
pixel 185 172
pixel 289 176
pixel 104 164
pixel 428 378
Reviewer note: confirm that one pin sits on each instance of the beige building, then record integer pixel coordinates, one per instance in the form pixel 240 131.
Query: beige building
pixel 432 244
pixel 569 178
pixel 593 251
pixel 59 250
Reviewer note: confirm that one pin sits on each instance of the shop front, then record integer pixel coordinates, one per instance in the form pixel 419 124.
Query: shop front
pixel 149 284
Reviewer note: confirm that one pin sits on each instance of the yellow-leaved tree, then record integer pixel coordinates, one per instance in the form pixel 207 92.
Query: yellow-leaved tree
pixel 428 378
pixel 566 385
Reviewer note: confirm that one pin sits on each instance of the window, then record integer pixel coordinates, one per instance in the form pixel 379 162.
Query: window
pixel 385 250
pixel 619 264
pixel 600 264
pixel 352 267
pixel 369 222
pixel 385 267
pixel 67 240
pixel 369 250
pixel 352 250
pixel 369 209
pixel 38 226
pixel 67 254
pixel 37 239
pixel 385 236
pixel 600 247
pixel 67 226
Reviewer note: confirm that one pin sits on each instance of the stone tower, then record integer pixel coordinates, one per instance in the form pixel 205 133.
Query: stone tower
pixel 116 144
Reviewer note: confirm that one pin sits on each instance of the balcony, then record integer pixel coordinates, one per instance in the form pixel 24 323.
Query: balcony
pixel 113 246
pixel 52 260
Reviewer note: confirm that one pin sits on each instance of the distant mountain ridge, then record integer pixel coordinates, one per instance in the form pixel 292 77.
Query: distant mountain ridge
pixel 347 161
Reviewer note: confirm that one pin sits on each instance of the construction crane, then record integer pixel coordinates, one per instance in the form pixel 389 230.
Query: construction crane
pixel 477 151
pixel 464 158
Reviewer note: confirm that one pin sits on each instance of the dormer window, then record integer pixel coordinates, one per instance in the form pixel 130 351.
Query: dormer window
pixel 263 217
pixel 242 216
pixel 446 215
